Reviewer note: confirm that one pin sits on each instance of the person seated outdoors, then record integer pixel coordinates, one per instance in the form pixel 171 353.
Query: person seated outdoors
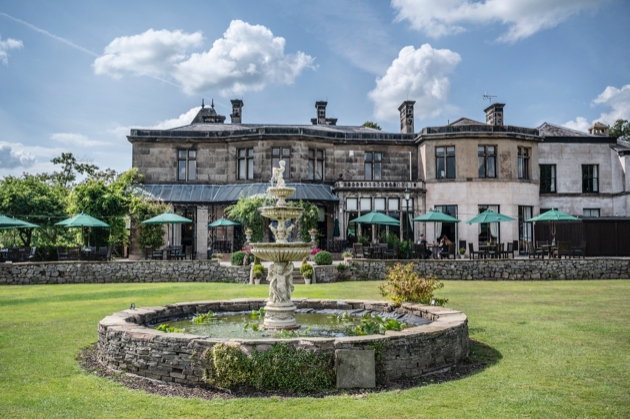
pixel 427 252
pixel 444 243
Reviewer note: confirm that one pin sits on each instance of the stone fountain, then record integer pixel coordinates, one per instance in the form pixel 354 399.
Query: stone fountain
pixel 280 310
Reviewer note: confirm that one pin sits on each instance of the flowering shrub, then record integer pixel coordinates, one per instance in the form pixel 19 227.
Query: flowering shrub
pixel 315 251
pixel 404 285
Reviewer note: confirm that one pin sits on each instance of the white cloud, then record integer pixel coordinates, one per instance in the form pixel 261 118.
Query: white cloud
pixel 12 159
pixel 247 58
pixel 10 43
pixel 524 18
pixel 152 53
pixel 417 74
pixel 616 99
pixel 76 140
pixel 183 119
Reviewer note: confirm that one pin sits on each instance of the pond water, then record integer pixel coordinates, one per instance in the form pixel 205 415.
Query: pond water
pixel 313 323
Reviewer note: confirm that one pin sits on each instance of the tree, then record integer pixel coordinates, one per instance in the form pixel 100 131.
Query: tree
pixel 245 211
pixel 70 168
pixel 33 199
pixel 370 124
pixel 621 130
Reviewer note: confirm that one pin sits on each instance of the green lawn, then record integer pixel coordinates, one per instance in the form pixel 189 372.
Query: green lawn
pixel 564 352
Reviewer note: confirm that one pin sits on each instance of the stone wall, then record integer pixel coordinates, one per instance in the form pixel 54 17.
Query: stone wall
pixel 124 344
pixel 120 271
pixel 490 269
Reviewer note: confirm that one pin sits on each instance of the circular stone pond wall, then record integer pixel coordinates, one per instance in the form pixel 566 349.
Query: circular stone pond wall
pixel 124 344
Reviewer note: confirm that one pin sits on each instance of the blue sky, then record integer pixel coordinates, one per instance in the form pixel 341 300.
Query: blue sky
pixel 77 75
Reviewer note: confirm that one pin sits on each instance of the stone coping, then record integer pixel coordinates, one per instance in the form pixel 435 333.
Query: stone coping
pixel 124 344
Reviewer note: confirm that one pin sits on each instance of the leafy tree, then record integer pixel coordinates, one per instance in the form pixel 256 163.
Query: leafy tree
pixel 308 220
pixel 370 124
pixel 245 211
pixel 148 234
pixel 70 168
pixel 32 199
pixel 621 130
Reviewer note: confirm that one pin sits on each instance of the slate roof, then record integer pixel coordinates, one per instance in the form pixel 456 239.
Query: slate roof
pixel 551 130
pixel 198 193
pixel 465 121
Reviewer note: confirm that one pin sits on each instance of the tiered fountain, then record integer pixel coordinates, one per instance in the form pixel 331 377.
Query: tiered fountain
pixel 280 310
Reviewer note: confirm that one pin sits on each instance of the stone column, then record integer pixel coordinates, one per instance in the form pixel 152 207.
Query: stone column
pixel 202 232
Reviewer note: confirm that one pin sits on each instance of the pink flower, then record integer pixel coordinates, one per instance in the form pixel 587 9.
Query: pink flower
pixel 315 251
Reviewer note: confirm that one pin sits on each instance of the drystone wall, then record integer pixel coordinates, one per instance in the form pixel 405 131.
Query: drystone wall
pixel 125 344
pixel 501 269
pixel 120 271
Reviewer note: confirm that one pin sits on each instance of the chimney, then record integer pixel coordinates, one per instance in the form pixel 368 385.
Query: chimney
pixel 599 129
pixel 494 114
pixel 237 111
pixel 321 115
pixel 406 117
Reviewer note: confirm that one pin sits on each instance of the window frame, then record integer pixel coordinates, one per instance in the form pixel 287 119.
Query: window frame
pixel 591 212
pixel 524 157
pixel 553 187
pixel 486 156
pixel 248 160
pixel 189 168
pixel 371 165
pixel 275 160
pixel 446 158
pixel 314 161
pixel 593 179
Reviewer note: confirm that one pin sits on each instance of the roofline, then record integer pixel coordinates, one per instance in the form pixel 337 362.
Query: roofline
pixel 580 140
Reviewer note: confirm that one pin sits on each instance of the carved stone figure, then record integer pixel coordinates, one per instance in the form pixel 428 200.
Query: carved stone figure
pixel 280 285
pixel 278 175
pixel 282 231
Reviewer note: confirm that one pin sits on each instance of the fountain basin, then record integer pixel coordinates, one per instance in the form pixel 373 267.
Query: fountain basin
pixel 281 252
pixel 281 213
pixel 281 192
pixel 125 344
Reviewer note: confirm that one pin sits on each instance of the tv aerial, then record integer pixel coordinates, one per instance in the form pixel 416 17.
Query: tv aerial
pixel 487 97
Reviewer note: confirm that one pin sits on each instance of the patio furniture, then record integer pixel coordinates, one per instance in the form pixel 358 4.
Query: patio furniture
pixel 62 253
pixel 13 254
pixel 148 252
pixel 450 251
pixel 564 249
pixel 472 252
pixel 176 253
pixel 74 253
pixel 390 253
pixel 357 251
pixel 188 252
pixel 32 254
pixel 509 252
pixel 579 251
pixel 534 252
pixel 104 253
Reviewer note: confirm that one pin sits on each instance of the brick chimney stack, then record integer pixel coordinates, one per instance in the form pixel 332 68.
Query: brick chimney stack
pixel 237 111
pixel 494 114
pixel 406 117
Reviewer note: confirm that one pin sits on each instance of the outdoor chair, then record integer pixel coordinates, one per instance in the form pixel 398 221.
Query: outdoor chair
pixel 74 253
pixel 450 251
pixel 534 252
pixel 13 254
pixel 390 253
pixel 62 253
pixel 472 252
pixel 103 253
pixel 357 250
pixel 579 251
pixel 564 249
pixel 509 252
pixel 32 254
pixel 177 253
pixel 188 252
pixel 148 252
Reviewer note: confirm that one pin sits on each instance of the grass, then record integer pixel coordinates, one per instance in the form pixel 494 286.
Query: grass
pixel 564 351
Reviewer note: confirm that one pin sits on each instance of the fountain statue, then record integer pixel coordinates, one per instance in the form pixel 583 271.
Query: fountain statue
pixel 280 310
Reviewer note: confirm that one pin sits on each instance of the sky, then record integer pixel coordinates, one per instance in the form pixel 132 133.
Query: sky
pixel 76 76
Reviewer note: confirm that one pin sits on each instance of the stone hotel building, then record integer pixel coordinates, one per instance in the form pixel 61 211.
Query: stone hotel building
pixel 461 169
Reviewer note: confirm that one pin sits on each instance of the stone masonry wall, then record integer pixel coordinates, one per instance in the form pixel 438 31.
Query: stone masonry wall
pixel 501 269
pixel 120 271
pixel 124 344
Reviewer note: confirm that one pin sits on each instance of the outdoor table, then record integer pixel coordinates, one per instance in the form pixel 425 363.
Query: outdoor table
pixel 435 249
pixel 550 249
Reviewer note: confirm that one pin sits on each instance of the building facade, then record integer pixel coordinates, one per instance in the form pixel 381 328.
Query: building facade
pixel 461 168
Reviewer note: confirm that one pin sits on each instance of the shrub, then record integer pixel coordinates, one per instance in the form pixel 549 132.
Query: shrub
pixel 342 267
pixel 323 258
pixel 237 258
pixel 306 270
pixel 258 271
pixel 404 285
pixel 346 254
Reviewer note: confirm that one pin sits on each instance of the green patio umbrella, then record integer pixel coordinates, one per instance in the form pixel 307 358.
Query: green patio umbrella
pixel 552 216
pixel 489 216
pixel 167 218
pixel 434 216
pixel 375 217
pixel 336 232
pixel 223 222
pixel 82 220
pixel 13 223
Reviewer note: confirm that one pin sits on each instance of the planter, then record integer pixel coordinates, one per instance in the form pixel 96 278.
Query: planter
pixel 347 261
pixel 257 281
pixel 462 256
pixel 307 281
